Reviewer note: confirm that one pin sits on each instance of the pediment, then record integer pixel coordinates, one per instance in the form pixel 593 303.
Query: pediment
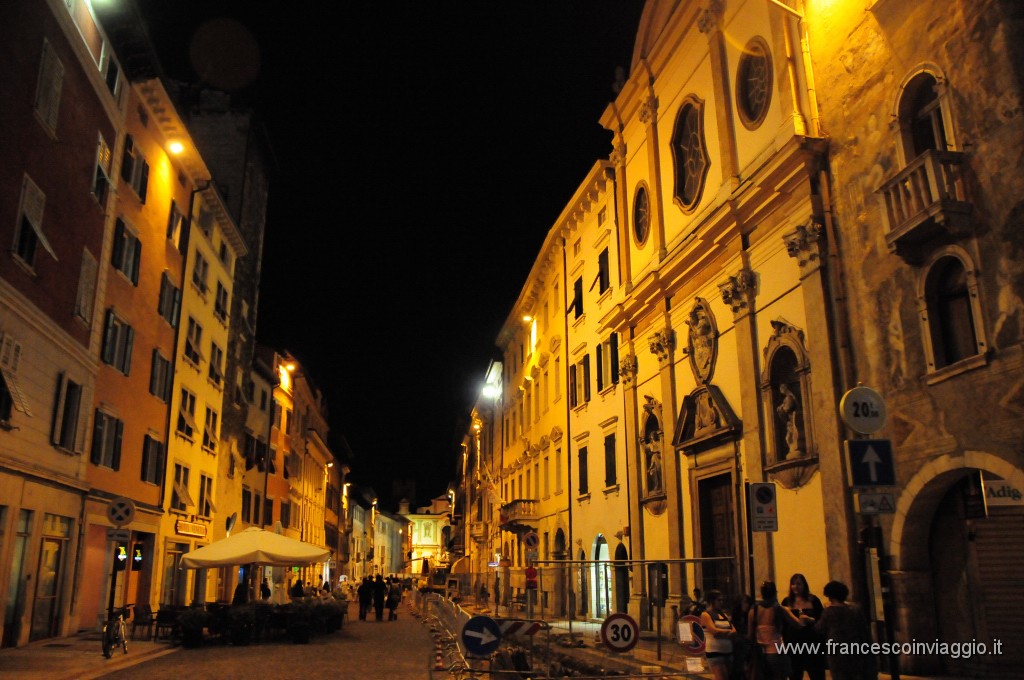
pixel 705 420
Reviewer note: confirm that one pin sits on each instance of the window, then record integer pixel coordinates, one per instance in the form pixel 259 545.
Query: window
pixel 220 304
pixel 608 362
pixel 107 433
pixel 690 154
pixel 547 476
pixel 169 304
pixel 11 396
pixel 577 298
pixel 224 255
pixel 28 235
pixel 127 252
pixel 65 414
pixel 134 169
pixel 180 497
pixel 193 338
pixel 111 72
pixel 187 414
pixel 152 460
pixel 216 364
pixel 175 227
pixel 286 512
pixel 86 296
pixel 584 486
pixel 206 218
pixel 101 175
pixel 210 431
pixel 558 470
pixel 161 376
pixel 609 460
pixel 754 83
pixel 246 504
pixel 118 338
pixel 579 382
pixel 206 508
pixel 921 117
pixel 48 86
pixel 200 271
pixel 641 215
pixel 950 313
pixel 603 273
pixel 558 378
pixel 268 512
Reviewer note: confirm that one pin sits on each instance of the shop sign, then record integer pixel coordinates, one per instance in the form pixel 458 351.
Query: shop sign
pixel 196 529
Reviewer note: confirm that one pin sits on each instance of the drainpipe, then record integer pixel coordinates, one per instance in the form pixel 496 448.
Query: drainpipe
pixel 568 430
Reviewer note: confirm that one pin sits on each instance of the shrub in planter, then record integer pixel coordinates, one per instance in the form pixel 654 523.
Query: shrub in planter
pixel 241 623
pixel 300 622
pixel 191 623
pixel 335 615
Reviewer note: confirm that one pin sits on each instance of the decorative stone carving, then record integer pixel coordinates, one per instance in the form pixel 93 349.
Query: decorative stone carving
pixel 618 155
pixel 648 110
pixel 738 291
pixel 703 341
pixel 705 420
pixel 709 17
pixel 556 342
pixel 803 244
pixel 556 434
pixel 662 343
pixel 627 370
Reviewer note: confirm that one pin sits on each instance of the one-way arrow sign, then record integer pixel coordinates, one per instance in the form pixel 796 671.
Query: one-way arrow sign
pixel 481 635
pixel 870 462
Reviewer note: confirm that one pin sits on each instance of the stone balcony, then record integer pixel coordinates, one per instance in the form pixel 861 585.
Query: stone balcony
pixel 518 513
pixel 926 200
pixel 478 531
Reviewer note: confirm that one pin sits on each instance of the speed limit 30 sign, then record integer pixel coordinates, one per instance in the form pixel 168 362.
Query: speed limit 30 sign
pixel 620 632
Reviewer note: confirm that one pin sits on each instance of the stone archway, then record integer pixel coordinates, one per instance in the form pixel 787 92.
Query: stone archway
pixel 928 505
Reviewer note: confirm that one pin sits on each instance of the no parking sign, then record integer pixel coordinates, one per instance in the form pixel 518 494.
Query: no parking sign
pixel 691 635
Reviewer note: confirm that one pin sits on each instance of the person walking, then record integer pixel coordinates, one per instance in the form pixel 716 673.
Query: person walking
pixel 394 597
pixel 767 620
pixel 380 591
pixel 846 631
pixel 805 648
pixel 718 634
pixel 365 595
pixel 265 591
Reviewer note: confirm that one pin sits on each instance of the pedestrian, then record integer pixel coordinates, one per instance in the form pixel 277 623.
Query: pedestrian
pixel 741 643
pixel 380 590
pixel 326 587
pixel 846 631
pixel 697 604
pixel 804 642
pixel 241 595
pixel 394 597
pixel 296 590
pixel 718 634
pixel 365 594
pixel 767 620
pixel 485 595
pixel 264 590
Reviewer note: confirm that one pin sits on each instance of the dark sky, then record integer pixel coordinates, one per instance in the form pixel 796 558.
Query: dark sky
pixel 424 149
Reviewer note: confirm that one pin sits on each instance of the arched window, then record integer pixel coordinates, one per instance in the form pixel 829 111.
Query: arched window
pixel 689 150
pixel 923 114
pixel 950 312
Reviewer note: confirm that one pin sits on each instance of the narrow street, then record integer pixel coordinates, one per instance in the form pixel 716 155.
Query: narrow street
pixel 362 649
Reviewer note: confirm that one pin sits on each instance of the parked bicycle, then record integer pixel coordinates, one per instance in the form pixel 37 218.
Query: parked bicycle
pixel 115 631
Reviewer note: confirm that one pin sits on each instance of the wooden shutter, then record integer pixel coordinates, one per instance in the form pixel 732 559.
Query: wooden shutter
pixel 586 378
pixel 117 252
pixel 51 78
pixel 128 338
pixel 613 348
pixel 109 338
pixel 96 454
pixel 86 287
pixel 115 458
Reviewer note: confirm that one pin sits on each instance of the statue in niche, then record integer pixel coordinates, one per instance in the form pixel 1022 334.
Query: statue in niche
pixel 652 458
pixel 788 411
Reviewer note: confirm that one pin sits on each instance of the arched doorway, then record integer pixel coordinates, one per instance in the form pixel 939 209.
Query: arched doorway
pixel 956 574
pixel 600 593
pixel 621 579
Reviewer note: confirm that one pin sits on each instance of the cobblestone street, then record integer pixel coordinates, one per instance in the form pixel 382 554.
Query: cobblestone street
pixel 362 649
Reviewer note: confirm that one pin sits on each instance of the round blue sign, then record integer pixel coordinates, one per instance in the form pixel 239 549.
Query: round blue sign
pixel 481 635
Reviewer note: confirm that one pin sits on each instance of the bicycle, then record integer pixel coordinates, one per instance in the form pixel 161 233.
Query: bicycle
pixel 115 631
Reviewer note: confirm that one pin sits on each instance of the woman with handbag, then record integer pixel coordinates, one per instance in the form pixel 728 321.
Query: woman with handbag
pixel 718 634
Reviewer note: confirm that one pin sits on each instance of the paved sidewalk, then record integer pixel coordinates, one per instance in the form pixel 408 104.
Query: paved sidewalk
pixel 77 657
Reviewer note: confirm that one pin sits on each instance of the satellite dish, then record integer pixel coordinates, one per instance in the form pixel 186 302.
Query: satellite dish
pixel 230 522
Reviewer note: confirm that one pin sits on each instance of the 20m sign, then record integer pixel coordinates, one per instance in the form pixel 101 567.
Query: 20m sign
pixel 620 632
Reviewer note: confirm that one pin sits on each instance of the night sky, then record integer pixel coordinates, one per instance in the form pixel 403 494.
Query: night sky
pixel 423 151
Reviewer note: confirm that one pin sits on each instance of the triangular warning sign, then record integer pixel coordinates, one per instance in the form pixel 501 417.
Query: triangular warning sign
pixel 885 505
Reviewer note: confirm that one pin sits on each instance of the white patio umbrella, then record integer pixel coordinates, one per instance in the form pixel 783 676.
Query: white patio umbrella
pixel 255 546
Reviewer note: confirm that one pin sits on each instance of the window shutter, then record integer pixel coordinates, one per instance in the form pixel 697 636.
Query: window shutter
pixel 58 411
pixel 137 257
pixel 96 454
pixel 586 378
pixel 160 462
pixel 51 77
pixel 572 386
pixel 129 340
pixel 168 381
pixel 175 306
pixel 602 268
pixel 613 348
pixel 600 367
pixel 128 160
pixel 143 180
pixel 115 461
pixel 118 251
pixel 577 297
pixel 609 460
pixel 147 458
pixel 109 337
pixel 86 286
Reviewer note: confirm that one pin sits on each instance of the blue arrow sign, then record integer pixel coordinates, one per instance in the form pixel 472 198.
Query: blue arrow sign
pixel 481 635
pixel 870 462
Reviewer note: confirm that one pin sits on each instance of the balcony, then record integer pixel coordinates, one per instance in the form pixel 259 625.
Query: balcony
pixel 478 531
pixel 518 513
pixel 925 200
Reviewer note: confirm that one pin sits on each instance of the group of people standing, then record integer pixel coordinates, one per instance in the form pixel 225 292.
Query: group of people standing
pixel 379 593
pixel 771 640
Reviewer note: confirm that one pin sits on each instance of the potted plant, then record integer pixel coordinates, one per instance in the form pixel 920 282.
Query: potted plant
pixel 241 623
pixel 191 623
